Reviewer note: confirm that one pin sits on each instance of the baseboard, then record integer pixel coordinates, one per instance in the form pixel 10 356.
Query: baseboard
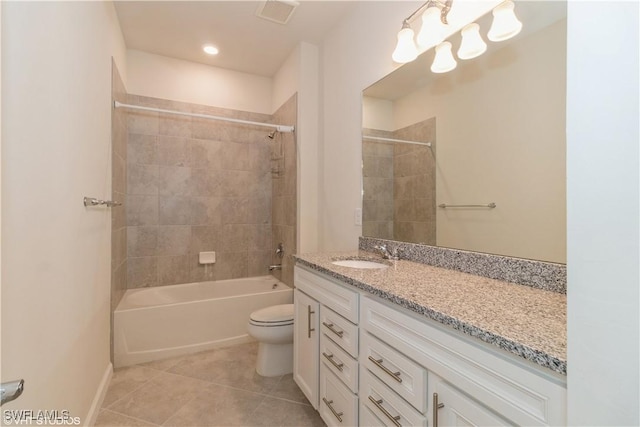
pixel 92 415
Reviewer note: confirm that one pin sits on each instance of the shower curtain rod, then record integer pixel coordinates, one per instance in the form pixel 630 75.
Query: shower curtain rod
pixel 279 128
pixel 379 138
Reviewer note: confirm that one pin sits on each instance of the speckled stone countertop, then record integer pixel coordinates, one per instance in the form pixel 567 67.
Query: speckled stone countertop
pixel 525 321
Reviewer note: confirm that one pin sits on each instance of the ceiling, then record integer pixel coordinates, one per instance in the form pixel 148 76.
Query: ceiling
pixel 247 43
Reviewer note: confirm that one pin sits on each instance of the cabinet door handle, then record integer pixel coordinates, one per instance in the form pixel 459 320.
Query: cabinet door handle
pixel 378 404
pixel 332 329
pixel 333 362
pixel 338 415
pixel 309 328
pixel 378 363
pixel 435 407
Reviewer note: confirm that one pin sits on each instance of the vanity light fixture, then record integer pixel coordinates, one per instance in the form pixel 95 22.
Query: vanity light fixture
pixel 210 49
pixel 472 44
pixel 432 33
pixel 444 60
pixel 505 23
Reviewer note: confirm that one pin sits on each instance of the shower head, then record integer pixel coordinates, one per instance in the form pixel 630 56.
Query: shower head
pixel 272 134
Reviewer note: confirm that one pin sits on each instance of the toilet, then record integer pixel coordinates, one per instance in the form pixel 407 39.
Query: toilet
pixel 273 328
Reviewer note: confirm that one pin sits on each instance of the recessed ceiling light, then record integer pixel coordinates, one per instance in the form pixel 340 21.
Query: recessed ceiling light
pixel 211 50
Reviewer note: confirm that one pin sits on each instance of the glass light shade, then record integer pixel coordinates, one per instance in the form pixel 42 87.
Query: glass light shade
pixel 406 50
pixel 505 23
pixel 433 30
pixel 472 44
pixel 444 60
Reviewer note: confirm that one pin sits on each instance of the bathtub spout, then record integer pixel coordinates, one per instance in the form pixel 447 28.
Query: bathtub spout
pixel 275 267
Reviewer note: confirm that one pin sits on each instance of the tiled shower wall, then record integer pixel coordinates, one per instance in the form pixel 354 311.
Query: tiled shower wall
pixel 284 207
pixel 196 185
pixel 414 184
pixel 118 192
pixel 399 185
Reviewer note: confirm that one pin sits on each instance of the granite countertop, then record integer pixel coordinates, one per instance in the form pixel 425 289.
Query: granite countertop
pixel 522 320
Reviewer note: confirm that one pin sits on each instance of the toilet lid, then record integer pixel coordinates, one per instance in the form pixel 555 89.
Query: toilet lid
pixel 273 314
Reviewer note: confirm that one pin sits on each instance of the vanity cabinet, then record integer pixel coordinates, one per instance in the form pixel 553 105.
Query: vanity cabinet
pixel 306 345
pixel 379 364
pixel 326 346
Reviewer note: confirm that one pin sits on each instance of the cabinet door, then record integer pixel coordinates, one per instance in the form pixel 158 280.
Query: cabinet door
pixel 306 345
pixel 458 409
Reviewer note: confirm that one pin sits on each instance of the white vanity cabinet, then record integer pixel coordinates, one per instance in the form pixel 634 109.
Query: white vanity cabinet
pixel 379 364
pixel 326 346
pixel 306 345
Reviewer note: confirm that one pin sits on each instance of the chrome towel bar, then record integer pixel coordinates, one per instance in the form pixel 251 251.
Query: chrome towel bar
pixel 92 201
pixel 489 205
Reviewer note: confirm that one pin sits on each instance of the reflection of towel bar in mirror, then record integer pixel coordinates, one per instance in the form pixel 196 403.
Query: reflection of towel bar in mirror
pixel 489 205
pixel 378 138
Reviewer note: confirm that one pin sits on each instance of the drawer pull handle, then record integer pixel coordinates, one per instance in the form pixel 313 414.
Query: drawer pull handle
pixel 309 328
pixel 378 363
pixel 338 415
pixel 332 329
pixel 333 362
pixel 378 404
pixel 436 406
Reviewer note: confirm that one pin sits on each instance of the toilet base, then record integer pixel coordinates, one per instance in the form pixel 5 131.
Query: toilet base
pixel 274 359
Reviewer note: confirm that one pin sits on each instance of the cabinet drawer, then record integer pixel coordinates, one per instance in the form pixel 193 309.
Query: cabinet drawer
pixel 387 406
pixel 338 406
pixel 340 299
pixel 400 373
pixel 340 330
pixel 339 362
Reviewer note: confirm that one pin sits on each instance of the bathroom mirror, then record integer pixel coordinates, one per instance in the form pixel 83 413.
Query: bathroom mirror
pixel 496 125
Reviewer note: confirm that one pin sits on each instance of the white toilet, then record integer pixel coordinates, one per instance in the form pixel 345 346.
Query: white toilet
pixel 273 328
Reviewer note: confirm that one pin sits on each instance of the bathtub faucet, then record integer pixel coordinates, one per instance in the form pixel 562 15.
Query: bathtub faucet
pixel 275 267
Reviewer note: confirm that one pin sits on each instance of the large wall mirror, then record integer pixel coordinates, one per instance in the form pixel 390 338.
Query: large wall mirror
pixel 496 129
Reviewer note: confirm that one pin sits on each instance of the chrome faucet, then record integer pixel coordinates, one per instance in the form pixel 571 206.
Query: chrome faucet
pixel 275 267
pixel 386 254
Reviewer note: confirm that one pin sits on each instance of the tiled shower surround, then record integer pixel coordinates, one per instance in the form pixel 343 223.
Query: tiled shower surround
pixel 199 185
pixel 399 185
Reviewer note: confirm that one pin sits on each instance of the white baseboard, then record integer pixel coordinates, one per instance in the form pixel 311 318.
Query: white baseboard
pixel 101 392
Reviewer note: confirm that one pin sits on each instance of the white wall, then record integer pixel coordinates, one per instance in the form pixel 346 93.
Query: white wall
pixel 56 116
pixel 603 214
pixel 178 80
pixel 490 147
pixel 355 54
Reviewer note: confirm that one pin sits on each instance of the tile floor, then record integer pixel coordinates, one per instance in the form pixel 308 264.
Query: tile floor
pixel 213 388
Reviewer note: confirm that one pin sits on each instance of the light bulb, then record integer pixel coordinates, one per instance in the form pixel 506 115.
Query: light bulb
pixel 472 44
pixel 209 49
pixel 406 50
pixel 432 30
pixel 505 23
pixel 444 60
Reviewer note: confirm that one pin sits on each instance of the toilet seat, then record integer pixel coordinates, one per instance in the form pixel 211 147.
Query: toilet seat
pixel 277 315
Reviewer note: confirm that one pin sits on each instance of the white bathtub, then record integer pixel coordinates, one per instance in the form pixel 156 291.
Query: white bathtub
pixel 157 323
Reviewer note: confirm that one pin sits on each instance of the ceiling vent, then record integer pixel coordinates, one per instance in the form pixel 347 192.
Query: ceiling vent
pixel 279 11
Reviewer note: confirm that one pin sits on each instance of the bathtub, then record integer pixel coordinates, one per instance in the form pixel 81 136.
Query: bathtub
pixel 167 321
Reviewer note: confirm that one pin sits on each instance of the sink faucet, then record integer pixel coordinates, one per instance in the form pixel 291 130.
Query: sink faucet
pixel 386 254
pixel 275 267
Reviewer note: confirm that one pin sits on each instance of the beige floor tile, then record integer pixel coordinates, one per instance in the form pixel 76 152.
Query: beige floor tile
pixel 126 380
pixel 159 398
pixel 108 418
pixel 288 389
pixel 231 366
pixel 277 412
pixel 220 406
pixel 164 364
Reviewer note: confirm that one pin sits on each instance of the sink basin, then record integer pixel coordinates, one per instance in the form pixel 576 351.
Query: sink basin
pixel 358 263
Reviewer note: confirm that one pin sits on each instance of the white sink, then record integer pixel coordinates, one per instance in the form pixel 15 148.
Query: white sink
pixel 358 263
